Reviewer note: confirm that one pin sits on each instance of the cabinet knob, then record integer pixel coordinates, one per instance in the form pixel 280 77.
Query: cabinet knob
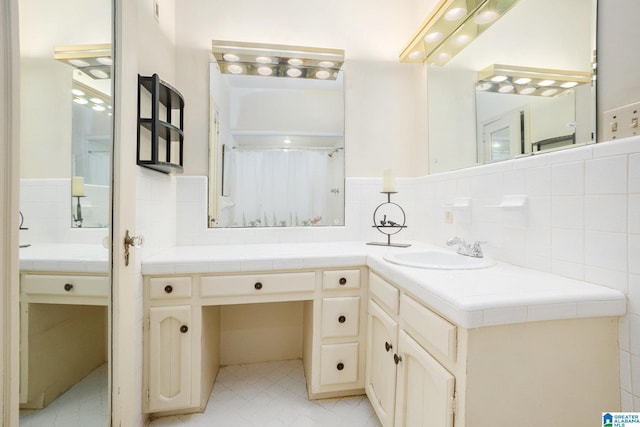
pixel 68 287
pixel 387 346
pixel 184 329
pixel 342 319
pixel 168 289
pixel 343 281
pixel 340 366
pixel 397 359
pixel 258 286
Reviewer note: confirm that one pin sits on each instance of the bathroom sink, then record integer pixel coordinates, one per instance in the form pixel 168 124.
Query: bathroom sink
pixel 439 260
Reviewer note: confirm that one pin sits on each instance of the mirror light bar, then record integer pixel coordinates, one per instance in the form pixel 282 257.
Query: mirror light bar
pixel 452 25
pixel 281 60
pixel 529 81
pixel 94 60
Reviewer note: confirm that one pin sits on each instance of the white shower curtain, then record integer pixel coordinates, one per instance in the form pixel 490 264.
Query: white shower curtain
pixel 278 187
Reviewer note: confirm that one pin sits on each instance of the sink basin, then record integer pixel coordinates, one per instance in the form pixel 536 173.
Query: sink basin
pixel 439 260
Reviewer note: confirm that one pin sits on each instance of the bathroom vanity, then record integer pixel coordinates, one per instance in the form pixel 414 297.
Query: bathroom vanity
pixel 456 347
pixel 64 294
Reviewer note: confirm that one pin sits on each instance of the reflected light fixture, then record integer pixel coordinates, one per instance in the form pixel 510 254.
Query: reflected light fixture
pixel 94 60
pixel 282 60
pixel 451 26
pixel 529 81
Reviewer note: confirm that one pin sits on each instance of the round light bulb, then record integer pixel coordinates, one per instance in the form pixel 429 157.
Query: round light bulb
pixel 442 57
pixel 105 60
pixel 484 86
pixel 96 100
pixel 323 74
pixel 265 71
pixel 549 92
pixel 327 64
pixel 506 89
pixel 98 108
pixel 498 79
pixel 416 54
pixel 433 37
pixel 234 69
pixel 455 14
pixel 295 62
pixel 568 85
pixel 527 91
pixel 263 60
pixel 461 39
pixel 79 63
pixel 80 101
pixel 99 74
pixel 546 83
pixel 294 72
pixel 486 17
pixel 77 92
pixel 231 57
pixel 522 81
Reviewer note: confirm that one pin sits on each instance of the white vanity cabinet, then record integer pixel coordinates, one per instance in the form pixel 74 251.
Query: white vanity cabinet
pixel 405 384
pixel 423 370
pixel 63 332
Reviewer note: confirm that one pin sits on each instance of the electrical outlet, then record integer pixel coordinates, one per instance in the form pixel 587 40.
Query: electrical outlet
pixel 621 122
pixel 156 10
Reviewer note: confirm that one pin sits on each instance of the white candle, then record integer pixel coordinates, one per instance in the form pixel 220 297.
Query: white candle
pixel 388 181
pixel 77 186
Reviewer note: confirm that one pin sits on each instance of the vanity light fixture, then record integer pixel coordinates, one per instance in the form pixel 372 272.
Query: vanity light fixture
pixel 91 97
pixel 452 25
pixel 529 81
pixel 93 60
pixel 277 60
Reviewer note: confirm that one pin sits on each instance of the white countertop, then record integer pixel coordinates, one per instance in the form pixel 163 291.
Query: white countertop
pixel 64 258
pixel 502 294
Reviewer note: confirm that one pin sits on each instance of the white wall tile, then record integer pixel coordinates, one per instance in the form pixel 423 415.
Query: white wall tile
pixel 567 245
pixel 634 253
pixel 634 213
pixel 538 181
pixel 606 213
pixel 606 175
pixel 568 212
pixel 634 173
pixel 606 250
pixel 567 179
pixel 634 335
pixel 613 279
pixel 635 374
pixel 625 371
pixel 572 270
pixel 634 294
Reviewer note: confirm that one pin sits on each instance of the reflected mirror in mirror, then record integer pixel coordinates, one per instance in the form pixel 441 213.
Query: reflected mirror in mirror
pixel 65 157
pixel 276 150
pixel 479 115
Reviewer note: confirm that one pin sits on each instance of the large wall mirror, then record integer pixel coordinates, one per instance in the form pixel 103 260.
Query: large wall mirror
pixel 522 87
pixel 65 173
pixel 276 149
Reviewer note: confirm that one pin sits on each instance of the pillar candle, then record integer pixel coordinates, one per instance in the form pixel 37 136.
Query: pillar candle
pixel 388 181
pixel 77 186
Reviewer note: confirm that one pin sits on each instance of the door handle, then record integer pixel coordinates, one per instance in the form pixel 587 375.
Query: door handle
pixel 135 241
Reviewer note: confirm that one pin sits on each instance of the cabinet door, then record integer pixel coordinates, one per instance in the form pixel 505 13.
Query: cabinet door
pixel 380 375
pixel 424 390
pixel 169 358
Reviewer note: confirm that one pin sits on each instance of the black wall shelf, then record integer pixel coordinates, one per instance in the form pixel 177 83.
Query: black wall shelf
pixel 162 147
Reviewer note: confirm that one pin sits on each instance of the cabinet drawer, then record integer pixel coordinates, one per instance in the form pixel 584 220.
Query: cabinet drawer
pixel 384 293
pixel 340 317
pixel 339 363
pixel 428 328
pixel 169 287
pixel 341 279
pixel 256 284
pixel 41 285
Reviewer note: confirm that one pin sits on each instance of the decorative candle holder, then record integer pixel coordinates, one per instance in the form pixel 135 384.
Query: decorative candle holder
pixel 389 218
pixel 77 218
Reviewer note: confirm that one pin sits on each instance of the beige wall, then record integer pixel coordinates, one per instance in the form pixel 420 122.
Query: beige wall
pixel 381 130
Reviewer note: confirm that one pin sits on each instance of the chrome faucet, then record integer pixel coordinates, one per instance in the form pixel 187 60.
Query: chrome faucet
pixel 474 250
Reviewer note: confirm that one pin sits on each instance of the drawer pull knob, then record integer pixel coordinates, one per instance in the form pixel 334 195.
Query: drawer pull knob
pixel 397 359
pixel 342 319
pixel 168 289
pixel 258 286
pixel 340 366
pixel 387 346
pixel 68 287
pixel 343 281
pixel 184 329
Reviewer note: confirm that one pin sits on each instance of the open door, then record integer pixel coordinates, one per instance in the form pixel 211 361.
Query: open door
pixel 504 137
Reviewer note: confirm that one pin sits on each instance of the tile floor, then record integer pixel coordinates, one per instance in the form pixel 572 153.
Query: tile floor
pixel 272 394
pixel 86 404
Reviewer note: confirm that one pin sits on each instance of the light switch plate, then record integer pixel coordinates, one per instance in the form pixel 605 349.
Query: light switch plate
pixel 621 122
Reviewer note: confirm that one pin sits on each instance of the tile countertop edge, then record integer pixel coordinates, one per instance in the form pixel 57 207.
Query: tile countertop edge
pixel 518 296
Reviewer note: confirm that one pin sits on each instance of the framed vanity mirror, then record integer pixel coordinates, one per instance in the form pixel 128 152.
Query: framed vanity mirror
pixel 276 149
pixel 524 86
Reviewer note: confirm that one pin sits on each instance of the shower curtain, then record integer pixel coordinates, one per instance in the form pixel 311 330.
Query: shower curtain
pixel 278 187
